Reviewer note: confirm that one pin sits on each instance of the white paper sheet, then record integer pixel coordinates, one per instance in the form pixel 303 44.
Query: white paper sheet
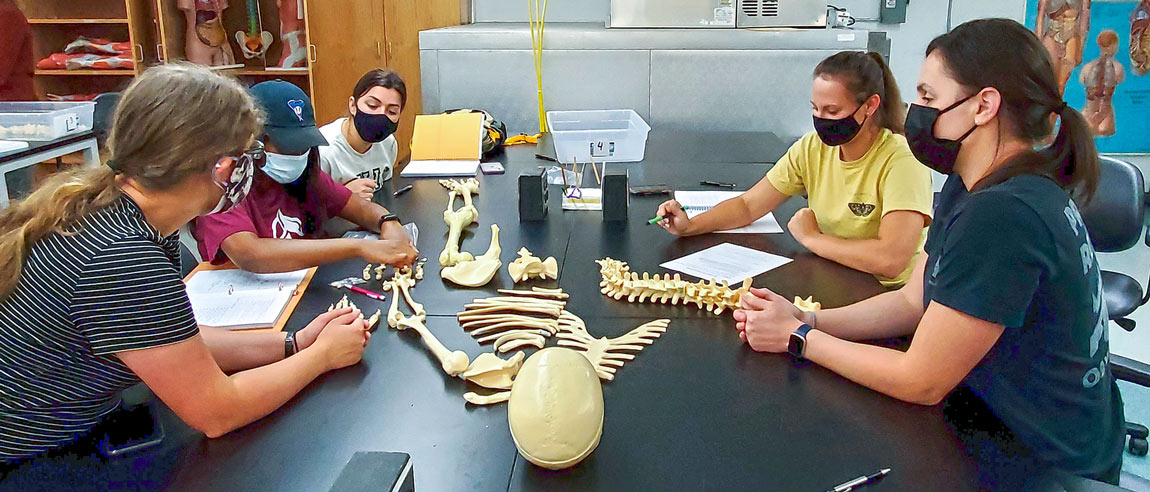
pixel 726 261
pixel 697 202
pixel 218 281
pixel 588 199
pixel 429 169
pixel 236 299
pixel 251 309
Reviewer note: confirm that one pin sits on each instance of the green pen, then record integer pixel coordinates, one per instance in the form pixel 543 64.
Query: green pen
pixel 657 219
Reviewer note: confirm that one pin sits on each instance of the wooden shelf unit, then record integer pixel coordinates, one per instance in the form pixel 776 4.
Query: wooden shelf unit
pixel 55 23
pixel 78 21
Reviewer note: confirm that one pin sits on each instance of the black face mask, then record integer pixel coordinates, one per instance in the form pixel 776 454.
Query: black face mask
pixel 936 153
pixel 838 132
pixel 373 128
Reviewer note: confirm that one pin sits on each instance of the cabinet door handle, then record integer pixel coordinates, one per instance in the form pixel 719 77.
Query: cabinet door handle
pixel 378 49
pixel 138 48
pixel 313 54
pixel 160 52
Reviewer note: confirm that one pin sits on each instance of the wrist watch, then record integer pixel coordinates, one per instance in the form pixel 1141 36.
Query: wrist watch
pixel 384 218
pixel 290 347
pixel 797 345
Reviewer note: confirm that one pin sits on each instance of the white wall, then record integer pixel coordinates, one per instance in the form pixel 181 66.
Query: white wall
pixel 925 20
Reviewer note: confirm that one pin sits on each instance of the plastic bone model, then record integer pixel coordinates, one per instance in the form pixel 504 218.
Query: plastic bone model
pixel 528 265
pixel 555 409
pixel 619 282
pixel 453 362
pixel 344 302
pixel 457 219
pixel 479 271
pixel 607 354
pixel 490 371
pixel 808 304
pixel 518 319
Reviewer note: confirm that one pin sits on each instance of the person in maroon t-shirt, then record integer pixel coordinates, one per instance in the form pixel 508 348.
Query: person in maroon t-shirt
pixel 292 198
pixel 16 63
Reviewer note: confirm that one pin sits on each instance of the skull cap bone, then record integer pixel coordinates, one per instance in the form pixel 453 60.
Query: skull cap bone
pixel 556 408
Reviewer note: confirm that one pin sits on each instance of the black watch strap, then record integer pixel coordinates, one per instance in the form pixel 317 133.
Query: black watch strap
pixel 797 344
pixel 290 347
pixel 384 218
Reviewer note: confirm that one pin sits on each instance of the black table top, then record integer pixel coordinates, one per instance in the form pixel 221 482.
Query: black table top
pixel 696 410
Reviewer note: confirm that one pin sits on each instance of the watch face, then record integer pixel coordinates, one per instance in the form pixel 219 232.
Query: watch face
pixel 796 345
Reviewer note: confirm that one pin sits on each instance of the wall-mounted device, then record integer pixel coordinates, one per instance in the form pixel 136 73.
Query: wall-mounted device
pixel 718 13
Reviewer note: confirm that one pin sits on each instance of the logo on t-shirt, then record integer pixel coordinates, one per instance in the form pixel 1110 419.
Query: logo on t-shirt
pixel 284 227
pixel 861 209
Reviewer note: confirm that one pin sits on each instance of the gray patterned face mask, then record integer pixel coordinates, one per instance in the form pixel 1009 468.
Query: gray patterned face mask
pixel 240 183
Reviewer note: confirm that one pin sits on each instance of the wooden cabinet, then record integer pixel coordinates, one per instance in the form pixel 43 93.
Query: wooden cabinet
pixel 55 23
pixel 351 37
pixel 345 39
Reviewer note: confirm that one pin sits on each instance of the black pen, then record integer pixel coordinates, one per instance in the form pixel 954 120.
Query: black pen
pixel 860 481
pixel 403 190
pixel 716 183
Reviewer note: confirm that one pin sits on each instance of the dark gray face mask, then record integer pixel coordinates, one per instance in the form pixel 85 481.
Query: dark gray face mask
pixel 840 131
pixel 936 153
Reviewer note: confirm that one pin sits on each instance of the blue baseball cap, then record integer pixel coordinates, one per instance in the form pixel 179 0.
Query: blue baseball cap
pixel 290 124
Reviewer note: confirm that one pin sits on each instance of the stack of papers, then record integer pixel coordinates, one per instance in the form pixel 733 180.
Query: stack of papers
pixel 235 299
pixel 697 202
pixel 729 262
pixel 445 145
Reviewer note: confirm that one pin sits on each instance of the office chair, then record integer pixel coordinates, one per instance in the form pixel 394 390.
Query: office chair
pixel 1114 220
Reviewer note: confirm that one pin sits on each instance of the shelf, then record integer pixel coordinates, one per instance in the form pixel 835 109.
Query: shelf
pixel 261 71
pixel 78 21
pixel 117 72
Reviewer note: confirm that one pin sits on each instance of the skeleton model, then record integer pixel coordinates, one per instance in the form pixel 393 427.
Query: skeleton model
pixel 453 362
pixel 517 319
pixel 619 282
pixel 808 304
pixel 344 302
pixel 528 266
pixel 479 271
pixel 457 219
pixel 607 354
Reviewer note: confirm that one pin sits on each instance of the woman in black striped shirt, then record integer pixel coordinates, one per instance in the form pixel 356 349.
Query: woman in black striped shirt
pixel 91 300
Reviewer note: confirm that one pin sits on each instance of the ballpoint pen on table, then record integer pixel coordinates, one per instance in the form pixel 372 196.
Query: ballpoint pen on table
pixel 717 184
pixel 860 481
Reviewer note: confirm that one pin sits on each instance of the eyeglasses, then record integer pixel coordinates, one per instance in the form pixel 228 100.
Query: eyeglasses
pixel 256 155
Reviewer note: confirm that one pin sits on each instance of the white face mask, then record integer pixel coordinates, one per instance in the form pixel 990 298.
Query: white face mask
pixel 285 169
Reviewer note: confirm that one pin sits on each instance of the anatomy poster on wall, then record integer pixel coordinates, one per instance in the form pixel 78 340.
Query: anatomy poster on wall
pixel 1101 55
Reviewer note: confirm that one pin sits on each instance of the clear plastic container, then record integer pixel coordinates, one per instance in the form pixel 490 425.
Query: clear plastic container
pixel 42 121
pixel 617 135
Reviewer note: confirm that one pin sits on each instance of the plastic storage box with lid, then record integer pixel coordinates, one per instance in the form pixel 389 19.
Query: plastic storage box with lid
pixel 42 121
pixel 617 135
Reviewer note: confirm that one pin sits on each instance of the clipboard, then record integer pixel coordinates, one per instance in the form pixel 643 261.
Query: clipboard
pixel 288 309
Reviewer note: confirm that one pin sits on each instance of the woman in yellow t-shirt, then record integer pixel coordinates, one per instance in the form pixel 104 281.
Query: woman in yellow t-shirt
pixel 870 200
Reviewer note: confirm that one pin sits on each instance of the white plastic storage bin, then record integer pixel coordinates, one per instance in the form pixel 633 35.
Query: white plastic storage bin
pixel 617 135
pixel 42 121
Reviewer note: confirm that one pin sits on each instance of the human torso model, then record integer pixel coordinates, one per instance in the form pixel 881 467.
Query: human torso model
pixel 205 40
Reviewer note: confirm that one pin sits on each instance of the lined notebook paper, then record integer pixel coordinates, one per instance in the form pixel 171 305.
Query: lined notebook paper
pixel 697 202
pixel 235 299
